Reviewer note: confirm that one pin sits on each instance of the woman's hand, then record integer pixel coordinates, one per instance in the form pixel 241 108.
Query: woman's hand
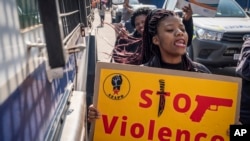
pixel 93 113
pixel 120 30
pixel 123 33
pixel 187 12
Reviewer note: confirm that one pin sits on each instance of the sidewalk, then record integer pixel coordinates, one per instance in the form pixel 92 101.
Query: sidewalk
pixel 105 37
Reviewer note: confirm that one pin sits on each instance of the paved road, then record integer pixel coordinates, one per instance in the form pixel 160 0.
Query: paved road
pixel 105 37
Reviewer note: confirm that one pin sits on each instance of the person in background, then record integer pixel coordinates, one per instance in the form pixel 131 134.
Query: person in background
pixel 127 12
pixel 108 4
pixel 243 70
pixel 130 44
pixel 137 21
pixel 101 9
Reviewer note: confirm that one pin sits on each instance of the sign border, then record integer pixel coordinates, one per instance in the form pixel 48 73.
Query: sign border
pixel 162 71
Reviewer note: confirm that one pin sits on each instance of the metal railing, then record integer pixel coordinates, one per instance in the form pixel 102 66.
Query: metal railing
pixel 28 13
pixel 69 14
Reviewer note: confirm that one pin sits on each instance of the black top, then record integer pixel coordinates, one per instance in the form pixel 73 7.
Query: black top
pixel 179 66
pixel 186 65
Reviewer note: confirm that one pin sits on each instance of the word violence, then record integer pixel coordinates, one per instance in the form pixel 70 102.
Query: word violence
pixel 138 130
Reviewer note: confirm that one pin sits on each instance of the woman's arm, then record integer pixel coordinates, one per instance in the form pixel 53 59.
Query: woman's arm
pixel 188 22
pixel 129 8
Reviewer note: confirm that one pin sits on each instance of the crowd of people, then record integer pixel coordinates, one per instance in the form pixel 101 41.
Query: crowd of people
pixel 160 39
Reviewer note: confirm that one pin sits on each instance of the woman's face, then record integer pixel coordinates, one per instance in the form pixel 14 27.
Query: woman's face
pixel 171 37
pixel 139 23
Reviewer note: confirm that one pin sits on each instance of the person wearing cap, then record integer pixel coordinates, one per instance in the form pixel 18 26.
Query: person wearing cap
pixel 243 70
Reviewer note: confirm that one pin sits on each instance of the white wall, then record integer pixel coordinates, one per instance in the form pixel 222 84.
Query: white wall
pixel 14 56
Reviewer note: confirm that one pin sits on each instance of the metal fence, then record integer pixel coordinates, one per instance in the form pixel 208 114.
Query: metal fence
pixel 69 14
pixel 73 12
pixel 28 13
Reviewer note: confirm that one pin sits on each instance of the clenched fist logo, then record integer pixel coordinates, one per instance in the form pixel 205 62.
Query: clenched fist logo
pixel 116 82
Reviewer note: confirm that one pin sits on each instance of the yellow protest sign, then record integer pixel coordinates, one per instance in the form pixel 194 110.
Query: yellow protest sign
pixel 144 103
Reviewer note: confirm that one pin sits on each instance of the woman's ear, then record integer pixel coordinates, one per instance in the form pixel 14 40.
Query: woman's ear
pixel 155 40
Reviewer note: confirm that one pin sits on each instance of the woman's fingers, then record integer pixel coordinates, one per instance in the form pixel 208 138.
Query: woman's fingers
pixel 93 113
pixel 118 25
pixel 123 32
pixel 188 12
pixel 120 30
pixel 187 9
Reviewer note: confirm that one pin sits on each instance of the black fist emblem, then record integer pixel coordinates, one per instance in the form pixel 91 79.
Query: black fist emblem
pixel 116 82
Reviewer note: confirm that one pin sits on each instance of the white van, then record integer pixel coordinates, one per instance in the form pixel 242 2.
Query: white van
pixel 217 40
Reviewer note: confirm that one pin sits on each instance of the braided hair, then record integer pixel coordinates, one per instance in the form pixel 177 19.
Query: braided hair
pixel 150 29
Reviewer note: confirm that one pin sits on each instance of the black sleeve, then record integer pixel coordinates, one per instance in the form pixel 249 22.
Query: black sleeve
pixel 243 65
pixel 201 68
pixel 189 28
pixel 244 102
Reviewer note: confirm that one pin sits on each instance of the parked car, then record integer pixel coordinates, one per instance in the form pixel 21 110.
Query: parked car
pixel 116 10
pixel 217 40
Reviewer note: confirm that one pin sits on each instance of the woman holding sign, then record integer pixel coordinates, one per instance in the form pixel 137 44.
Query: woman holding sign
pixel 164 46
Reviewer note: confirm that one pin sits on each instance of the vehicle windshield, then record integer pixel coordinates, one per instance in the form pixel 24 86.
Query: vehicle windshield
pixel 227 8
pixel 133 2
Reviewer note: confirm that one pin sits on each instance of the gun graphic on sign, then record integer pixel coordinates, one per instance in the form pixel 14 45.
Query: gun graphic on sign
pixel 204 103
